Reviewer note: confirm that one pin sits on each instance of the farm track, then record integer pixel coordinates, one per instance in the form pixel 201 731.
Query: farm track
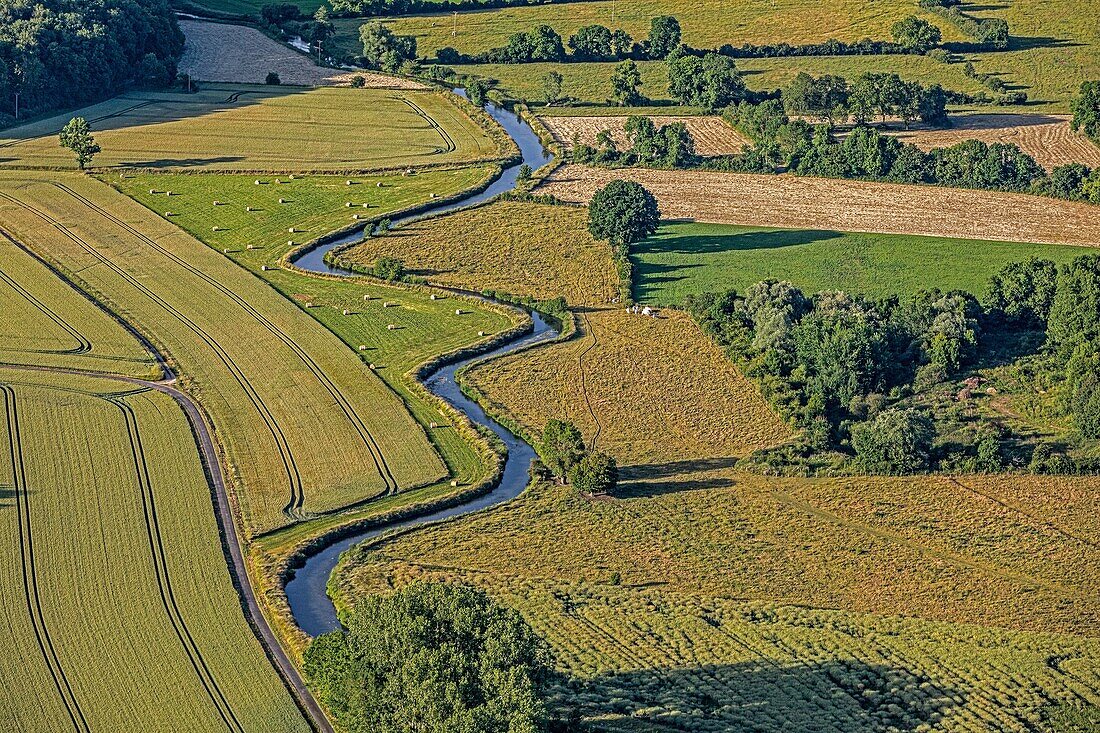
pixel 293 476
pixel 584 388
pixel 353 417
pixel 448 141
pixel 163 576
pixel 83 344
pixel 30 574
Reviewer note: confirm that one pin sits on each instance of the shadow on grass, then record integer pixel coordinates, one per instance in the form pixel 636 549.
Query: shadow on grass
pixel 181 162
pixel 656 479
pixel 847 696
pixel 702 244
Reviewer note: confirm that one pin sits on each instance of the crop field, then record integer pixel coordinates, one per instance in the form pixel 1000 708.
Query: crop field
pixel 306 426
pixel 821 203
pixel 716 601
pixel 119 611
pixel 285 129
pixel 712 135
pixel 530 249
pixel 1047 138
pixel 255 55
pixel 685 258
pixel 48 323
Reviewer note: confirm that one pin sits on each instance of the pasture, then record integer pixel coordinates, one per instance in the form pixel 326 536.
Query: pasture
pixel 685 258
pixel 712 135
pixel 705 600
pixel 821 203
pixel 305 425
pixel 120 612
pixel 49 323
pixel 285 129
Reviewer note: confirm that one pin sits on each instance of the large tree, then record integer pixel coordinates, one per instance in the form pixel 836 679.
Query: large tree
pixel 664 36
pixel 596 473
pixel 711 82
pixel 432 658
pixel 382 49
pixel 561 446
pixel 915 35
pixel 625 82
pixel 623 212
pixel 77 137
pixel 896 441
pixel 1086 110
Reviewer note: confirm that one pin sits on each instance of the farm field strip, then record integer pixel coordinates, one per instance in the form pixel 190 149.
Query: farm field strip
pixel 48 323
pixel 712 135
pixel 861 206
pixel 239 127
pixel 332 470
pixel 134 546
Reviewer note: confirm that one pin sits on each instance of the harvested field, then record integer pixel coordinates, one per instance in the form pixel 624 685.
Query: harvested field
pixel 712 135
pixel 529 249
pixel 647 390
pixel 249 128
pixel 821 203
pixel 306 426
pixel 781 600
pixel 207 57
pixel 127 618
pixel 1047 138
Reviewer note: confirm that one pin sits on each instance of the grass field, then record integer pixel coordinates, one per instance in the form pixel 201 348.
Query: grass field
pixel 285 129
pixel 48 323
pixel 796 202
pixel 687 258
pixel 716 602
pixel 119 611
pixel 706 24
pixel 306 426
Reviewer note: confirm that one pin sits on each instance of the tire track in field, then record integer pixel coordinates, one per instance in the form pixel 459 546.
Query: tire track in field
pixel 83 344
pixel 448 141
pixel 289 463
pixel 30 573
pixel 584 386
pixel 373 448
pixel 163 575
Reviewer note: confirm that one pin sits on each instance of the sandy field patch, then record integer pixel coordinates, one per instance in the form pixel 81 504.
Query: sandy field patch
pixel 712 135
pixel 858 206
pixel 1047 138
pixel 236 53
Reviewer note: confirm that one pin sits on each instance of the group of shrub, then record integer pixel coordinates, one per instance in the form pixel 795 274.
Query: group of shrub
pixel 842 367
pixel 563 453
pixel 667 146
pixel 66 53
pixel 830 98
pixel 988 33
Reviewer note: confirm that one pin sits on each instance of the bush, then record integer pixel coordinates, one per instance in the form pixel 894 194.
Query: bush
pixel 1086 110
pixel 561 447
pixel 388 268
pixel 595 473
pixel 897 441
pixel 272 79
pixel 622 212
pixel 711 82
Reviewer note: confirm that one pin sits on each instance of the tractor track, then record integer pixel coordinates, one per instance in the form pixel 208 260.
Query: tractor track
pixel 83 344
pixel 369 441
pixel 293 506
pixel 163 576
pixel 449 145
pixel 584 386
pixel 30 573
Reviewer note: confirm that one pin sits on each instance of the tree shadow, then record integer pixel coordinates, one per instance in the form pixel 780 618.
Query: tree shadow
pixel 656 479
pixel 643 471
pixel 701 244
pixel 180 162
pixel 846 696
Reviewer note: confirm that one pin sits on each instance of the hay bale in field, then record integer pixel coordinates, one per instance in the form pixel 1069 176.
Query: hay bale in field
pixel 350 183
pixel 454 482
pixel 433 425
pixel 290 229
pixel 366 206
pixel 372 366
pixel 263 268
pixel 168 213
pixel 152 191
pixel 348 204
pixel 167 193
pixel 387 304
pixel 391 327
pixel 378 185
pixel 290 242
pixel 248 208
pixel 282 201
pixel 432 296
pixel 225 251
pixel 433 194
pixel 257 181
pixel 458 311
pixel 355 216
pixel 347 312
pixel 215 229
pixel 362 347
pixel 366 297
pixel 480 333
pixel 277 181
pixel 249 247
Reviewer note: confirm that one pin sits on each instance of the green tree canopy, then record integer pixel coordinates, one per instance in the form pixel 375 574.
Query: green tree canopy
pixel 432 658
pixel 561 446
pixel 1086 110
pixel 591 43
pixel 595 473
pixel 711 82
pixel 77 137
pixel 664 36
pixel 1075 312
pixel 894 441
pixel 623 212
pixel 916 35
pixel 625 82
pixel 1023 292
pixel 382 49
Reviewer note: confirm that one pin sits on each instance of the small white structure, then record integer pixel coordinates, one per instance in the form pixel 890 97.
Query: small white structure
pixel 480 333
pixel 257 181
pixel 351 183
pixel 248 208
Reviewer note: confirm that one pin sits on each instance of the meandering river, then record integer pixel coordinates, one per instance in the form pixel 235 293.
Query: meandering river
pixel 307 591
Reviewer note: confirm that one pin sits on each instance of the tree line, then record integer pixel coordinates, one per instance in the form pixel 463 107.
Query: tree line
pixel 842 367
pixel 66 53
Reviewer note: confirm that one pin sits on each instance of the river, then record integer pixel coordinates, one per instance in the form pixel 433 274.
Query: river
pixel 307 590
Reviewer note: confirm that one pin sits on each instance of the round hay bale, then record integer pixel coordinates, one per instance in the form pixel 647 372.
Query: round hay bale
pixel 263 268
pixel 350 183
pixel 217 203
pixel 366 297
pixel 347 312
pixel 257 181
pixel 454 482
pixel 433 194
pixel 290 229
pixel 390 327
pixel 366 206
pixel 355 216
pixel 290 242
pixel 348 204
pixel 168 213
pixel 249 247
pixel 248 208
pixel 214 229
pixel 152 191
pixel 480 333
pixel 458 311
pixel 362 347
pixel 372 366
pixel 277 181
pixel 432 296
pixel 378 185
pixel 282 201
pixel 433 425
pixel 225 251
pixel 167 193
